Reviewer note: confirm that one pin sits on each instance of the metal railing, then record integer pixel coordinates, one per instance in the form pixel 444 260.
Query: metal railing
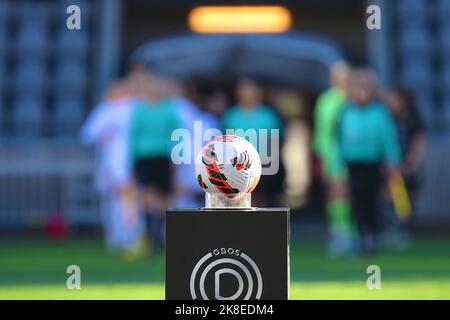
pixel 434 194
pixel 37 181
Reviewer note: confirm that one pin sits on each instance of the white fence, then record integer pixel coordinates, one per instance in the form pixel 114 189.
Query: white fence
pixel 40 180
pixel 37 181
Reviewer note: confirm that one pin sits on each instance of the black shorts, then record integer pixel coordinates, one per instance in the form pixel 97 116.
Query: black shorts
pixel 153 172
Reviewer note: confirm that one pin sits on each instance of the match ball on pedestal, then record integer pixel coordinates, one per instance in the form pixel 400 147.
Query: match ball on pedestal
pixel 228 165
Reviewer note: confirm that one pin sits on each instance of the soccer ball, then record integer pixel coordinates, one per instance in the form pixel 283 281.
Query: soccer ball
pixel 228 165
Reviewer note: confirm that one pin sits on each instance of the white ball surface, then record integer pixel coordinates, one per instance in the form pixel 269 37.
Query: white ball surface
pixel 229 165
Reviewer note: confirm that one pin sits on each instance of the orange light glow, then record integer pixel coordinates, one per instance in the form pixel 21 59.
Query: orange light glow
pixel 240 19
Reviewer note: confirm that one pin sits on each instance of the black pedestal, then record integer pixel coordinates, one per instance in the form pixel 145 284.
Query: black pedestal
pixel 227 254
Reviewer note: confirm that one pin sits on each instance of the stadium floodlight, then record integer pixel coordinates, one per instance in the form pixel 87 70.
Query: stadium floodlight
pixel 240 19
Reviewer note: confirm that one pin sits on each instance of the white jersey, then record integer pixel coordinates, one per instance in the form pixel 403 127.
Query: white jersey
pixel 189 113
pixel 108 127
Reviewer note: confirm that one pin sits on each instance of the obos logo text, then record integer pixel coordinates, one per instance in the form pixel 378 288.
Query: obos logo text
pixel 226 274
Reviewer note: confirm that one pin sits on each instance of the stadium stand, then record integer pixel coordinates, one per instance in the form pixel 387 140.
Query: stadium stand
pixel 32 41
pixel 415 41
pixel 421 47
pixel 445 43
pixel 447 111
pixel 444 11
pixel 446 79
pixel 30 77
pixel 40 56
pixel 417 74
pixel 47 80
pixel 71 77
pixel 412 8
pixel 67 116
pixel 72 44
pixel 3 80
pixel 27 117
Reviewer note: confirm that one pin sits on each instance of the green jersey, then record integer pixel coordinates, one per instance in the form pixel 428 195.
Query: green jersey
pixel 260 117
pixel 151 129
pixel 367 135
pixel 328 110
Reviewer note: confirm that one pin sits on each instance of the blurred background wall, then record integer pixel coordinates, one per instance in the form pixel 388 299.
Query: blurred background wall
pixel 51 77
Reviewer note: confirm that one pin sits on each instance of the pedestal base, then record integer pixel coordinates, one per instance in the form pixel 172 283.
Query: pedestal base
pixel 227 254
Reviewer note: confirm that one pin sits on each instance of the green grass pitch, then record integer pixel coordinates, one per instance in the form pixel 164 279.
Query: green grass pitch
pixel 36 269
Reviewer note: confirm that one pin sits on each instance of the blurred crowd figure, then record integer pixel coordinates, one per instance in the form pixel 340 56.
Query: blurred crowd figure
pixel 251 113
pixel 295 150
pixel 364 139
pixel 107 127
pixel 132 130
pixel 136 179
pixel 327 114
pixel 411 137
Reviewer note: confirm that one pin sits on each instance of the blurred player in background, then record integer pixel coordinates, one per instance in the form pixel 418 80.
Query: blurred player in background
pixel 411 133
pixel 296 155
pixel 153 121
pixel 108 127
pixel 366 139
pixel 215 105
pixel 187 193
pixel 251 113
pixel 327 112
